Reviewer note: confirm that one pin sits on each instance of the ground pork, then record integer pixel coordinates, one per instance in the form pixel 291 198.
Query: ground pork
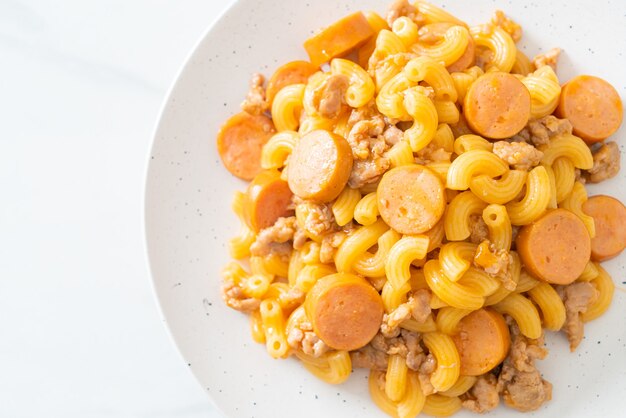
pixel 330 243
pixel 541 131
pixel 461 127
pixel 401 8
pixel 328 99
pixel 233 296
pixel 507 24
pixel 549 58
pixel 316 218
pixel 367 112
pixel 432 153
pixel 483 396
pixel 519 382
pixel 495 262
pixel 519 155
pixel 302 337
pixel 417 306
pixel 274 239
pixel 393 135
pixel 577 297
pixel 365 138
pixel 369 358
pixel 478 228
pixel 255 102
pixel 381 66
pixel 606 163
pixel 367 171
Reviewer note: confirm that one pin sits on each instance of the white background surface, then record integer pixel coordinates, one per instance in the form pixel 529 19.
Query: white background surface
pixel 81 85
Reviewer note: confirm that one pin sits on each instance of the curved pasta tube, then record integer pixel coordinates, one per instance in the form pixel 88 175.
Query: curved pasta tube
pixel 473 163
pixel 571 147
pixel 333 368
pixel 448 319
pixel 310 123
pixel 480 282
pixel 434 14
pixel 274 326
pixel 499 42
pixel 447 112
pixel 361 88
pixel 469 142
pixel 435 236
pixel 400 154
pixel 522 64
pixel 526 282
pixel 590 272
pixel 428 325
pixel 454 294
pixel 310 274
pixel 564 177
pixel 441 169
pixel 403 252
pixel 536 200
pixel 524 313
pixel 502 292
pixel 604 284
pixel 551 305
pixel 256 327
pixel 500 231
pixel 239 246
pixel 396 377
pixel 310 253
pixel 442 347
pixel 456 258
pixel 425 119
pixel 462 385
pixel 394 297
pixel 287 107
pixel 373 265
pixel 457 216
pixel 444 137
pixel 447 51
pixel 545 91
pixel 343 207
pixel 574 203
pixel 552 202
pixel 430 71
pixel 257 285
pixel 295 265
pixel 441 406
pixel 391 97
pixel 272 265
pixel 411 403
pixel 499 191
pixel 366 210
pixel 357 243
pixel 277 149
pixel 406 30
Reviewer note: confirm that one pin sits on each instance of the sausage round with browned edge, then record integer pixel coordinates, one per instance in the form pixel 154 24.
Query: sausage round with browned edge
pixel 609 215
pixel 497 105
pixel 319 166
pixel 240 142
pixel 556 247
pixel 268 198
pixel 482 340
pixel 592 106
pixel 345 310
pixel 411 199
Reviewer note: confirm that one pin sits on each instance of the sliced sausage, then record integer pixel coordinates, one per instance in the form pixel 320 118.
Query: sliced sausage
pixel 497 105
pixel 268 198
pixel 411 199
pixel 434 32
pixel 345 311
pixel 240 141
pixel 338 39
pixel 482 341
pixel 294 72
pixel 319 166
pixel 592 106
pixel 609 215
pixel 556 247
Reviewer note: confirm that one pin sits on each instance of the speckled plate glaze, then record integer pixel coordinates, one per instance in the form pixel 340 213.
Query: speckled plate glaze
pixel 188 216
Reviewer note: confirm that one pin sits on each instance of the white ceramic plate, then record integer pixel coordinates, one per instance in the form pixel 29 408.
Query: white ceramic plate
pixel 188 216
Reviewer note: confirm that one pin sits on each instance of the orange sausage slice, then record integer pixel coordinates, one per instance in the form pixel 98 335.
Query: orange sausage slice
pixel 319 166
pixel 434 32
pixel 556 247
pixel 294 72
pixel 240 141
pixel 345 311
pixel 268 198
pixel 592 106
pixel 338 39
pixel 609 215
pixel 411 199
pixel 497 105
pixel 482 341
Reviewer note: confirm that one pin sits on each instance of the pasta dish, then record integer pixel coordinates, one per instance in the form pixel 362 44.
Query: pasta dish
pixel 417 207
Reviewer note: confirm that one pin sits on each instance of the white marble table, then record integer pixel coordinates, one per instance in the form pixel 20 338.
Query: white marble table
pixel 81 84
